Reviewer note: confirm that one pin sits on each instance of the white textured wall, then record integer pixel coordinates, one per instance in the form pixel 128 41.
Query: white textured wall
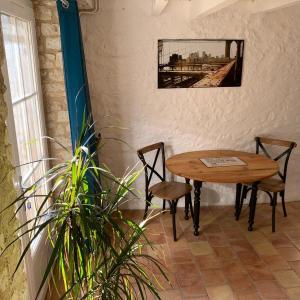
pixel 121 53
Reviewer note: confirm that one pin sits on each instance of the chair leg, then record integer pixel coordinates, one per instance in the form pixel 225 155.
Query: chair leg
pixel 146 211
pixel 283 203
pixel 148 203
pixel 191 207
pixel 237 198
pixel 164 205
pixel 274 202
pixel 173 212
pixel 271 197
pixel 187 200
pixel 186 207
pixel 244 195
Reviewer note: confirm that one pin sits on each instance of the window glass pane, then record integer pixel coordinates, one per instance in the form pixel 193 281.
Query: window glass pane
pixel 25 106
pixel 35 142
pixel 12 57
pixel 21 127
pixel 18 50
pixel 37 175
pixel 33 204
pixel 26 56
pixel 30 205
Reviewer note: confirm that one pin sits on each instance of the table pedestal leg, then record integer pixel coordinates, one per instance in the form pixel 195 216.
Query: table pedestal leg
pixel 253 200
pixel 237 199
pixel 187 202
pixel 197 186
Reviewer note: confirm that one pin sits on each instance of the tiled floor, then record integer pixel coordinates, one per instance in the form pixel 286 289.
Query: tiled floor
pixel 226 261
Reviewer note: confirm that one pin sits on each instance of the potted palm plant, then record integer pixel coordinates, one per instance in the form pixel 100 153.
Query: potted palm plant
pixel 96 251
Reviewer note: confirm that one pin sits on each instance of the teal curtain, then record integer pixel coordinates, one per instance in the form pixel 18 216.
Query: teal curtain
pixel 76 82
pixel 77 90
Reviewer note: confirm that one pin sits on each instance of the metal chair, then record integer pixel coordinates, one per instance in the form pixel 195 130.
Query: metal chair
pixel 168 191
pixel 274 185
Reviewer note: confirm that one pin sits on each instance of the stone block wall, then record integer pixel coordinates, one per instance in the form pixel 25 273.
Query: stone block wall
pixel 9 289
pixel 52 76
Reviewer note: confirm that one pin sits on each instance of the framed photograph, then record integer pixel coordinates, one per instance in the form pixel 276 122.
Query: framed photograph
pixel 196 63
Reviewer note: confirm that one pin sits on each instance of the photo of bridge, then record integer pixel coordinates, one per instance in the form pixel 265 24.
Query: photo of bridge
pixel 200 63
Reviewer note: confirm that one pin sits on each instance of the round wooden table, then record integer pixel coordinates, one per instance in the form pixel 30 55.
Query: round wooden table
pixel 255 168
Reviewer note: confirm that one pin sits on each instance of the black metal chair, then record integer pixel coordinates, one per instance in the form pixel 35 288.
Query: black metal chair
pixel 274 185
pixel 168 191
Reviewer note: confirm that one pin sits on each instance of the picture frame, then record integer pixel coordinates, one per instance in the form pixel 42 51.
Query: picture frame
pixel 200 63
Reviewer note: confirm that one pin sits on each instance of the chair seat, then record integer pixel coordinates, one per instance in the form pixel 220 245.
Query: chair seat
pixel 170 190
pixel 271 185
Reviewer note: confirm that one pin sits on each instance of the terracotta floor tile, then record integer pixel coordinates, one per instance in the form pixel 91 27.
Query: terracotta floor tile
pixel 185 225
pixel 249 257
pixel 269 289
pixel 219 210
pixel 224 253
pixel 294 293
pixel 265 248
pixel 296 244
pixel 287 278
pixel 190 237
pixel 293 234
pixel 233 270
pixel 181 255
pixel 255 237
pixel 205 262
pixel 196 298
pixel 241 283
pixel 248 296
pixel 169 232
pixel 159 251
pixel 221 292
pixel 217 240
pixel 164 285
pixel 156 227
pixel 213 277
pixel 228 222
pixel 275 262
pixel 181 242
pixel 289 254
pixel 241 245
pixel 156 238
pixel 191 287
pixel 280 240
pixel 211 228
pixel 171 295
pixel 185 270
pixel 260 272
pixel 233 234
pixel 295 265
pixel 201 248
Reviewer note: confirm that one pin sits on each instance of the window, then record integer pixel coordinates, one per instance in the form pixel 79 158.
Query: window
pixel 25 102
pixel 25 121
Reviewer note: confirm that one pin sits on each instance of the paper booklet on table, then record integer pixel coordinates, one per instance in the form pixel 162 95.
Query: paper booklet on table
pixel 212 162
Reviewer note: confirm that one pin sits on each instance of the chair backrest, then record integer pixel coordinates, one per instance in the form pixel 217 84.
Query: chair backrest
pixel 150 168
pixel 285 155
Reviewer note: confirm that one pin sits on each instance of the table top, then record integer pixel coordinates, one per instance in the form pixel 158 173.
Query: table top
pixel 189 165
